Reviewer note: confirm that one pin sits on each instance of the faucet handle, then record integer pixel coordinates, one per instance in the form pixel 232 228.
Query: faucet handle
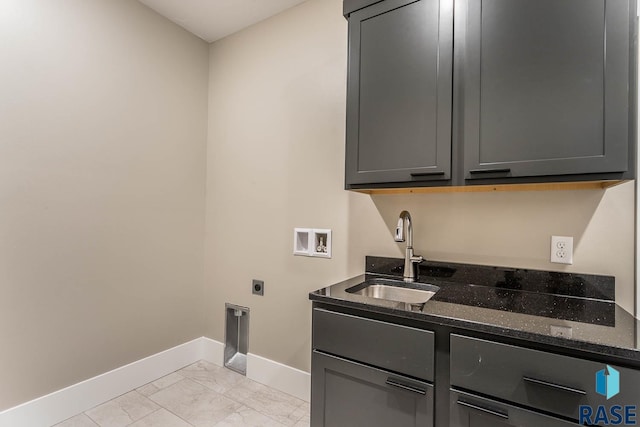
pixel 411 266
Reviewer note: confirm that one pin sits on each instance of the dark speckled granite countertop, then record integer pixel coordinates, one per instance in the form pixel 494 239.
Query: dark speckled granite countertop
pixel 517 303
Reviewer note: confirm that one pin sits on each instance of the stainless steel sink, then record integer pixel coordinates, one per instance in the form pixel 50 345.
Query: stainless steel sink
pixel 395 290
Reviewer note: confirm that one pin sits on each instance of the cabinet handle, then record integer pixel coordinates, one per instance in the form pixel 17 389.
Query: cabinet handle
pixel 495 170
pixel 481 409
pixel 394 383
pixel 419 174
pixel 555 386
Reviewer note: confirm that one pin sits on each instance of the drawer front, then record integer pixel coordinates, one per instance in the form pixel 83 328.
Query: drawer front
pixel 468 410
pixel 392 347
pixel 346 393
pixel 537 379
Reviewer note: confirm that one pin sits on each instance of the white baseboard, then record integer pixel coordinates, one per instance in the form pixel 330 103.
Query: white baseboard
pixel 212 351
pixel 65 403
pixel 281 377
pixel 265 371
pixel 62 404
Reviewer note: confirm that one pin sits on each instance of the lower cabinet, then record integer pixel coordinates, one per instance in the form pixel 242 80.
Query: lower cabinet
pixel 468 410
pixel 545 382
pixel 350 394
pixel 369 372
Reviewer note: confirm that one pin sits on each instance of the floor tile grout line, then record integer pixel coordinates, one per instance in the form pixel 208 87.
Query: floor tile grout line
pixel 243 404
pixel 148 415
pixel 244 376
pixel 257 410
pixel 90 417
pixel 171 412
pixel 218 376
pixel 167 409
pixel 269 415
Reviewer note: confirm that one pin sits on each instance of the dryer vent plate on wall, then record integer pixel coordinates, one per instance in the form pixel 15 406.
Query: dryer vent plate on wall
pixel 236 339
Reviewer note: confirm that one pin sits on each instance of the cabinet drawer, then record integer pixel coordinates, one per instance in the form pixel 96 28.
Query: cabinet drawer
pixel 537 379
pixel 392 347
pixel 346 393
pixel 468 410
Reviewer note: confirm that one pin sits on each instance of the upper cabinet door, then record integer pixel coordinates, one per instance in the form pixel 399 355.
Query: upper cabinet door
pixel 399 92
pixel 544 86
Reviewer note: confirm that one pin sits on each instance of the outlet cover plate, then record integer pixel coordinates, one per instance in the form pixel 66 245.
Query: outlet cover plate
pixel 257 287
pixel 561 331
pixel 562 249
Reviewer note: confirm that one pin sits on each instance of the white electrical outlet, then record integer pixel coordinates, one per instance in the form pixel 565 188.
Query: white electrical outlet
pixel 561 331
pixel 562 249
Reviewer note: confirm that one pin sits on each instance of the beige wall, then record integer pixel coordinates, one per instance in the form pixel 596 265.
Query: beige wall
pixel 275 162
pixel 103 121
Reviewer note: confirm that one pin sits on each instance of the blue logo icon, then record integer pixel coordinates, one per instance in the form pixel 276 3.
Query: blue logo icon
pixel 608 385
pixel 608 382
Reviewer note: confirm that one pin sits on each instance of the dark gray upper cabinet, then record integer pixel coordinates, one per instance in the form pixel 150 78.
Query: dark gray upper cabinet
pixel 523 91
pixel 545 86
pixel 399 92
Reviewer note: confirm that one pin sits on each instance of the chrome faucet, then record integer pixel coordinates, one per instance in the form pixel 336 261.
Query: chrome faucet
pixel 409 258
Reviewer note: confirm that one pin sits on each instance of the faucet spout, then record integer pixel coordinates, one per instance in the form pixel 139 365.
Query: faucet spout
pixel 404 221
pixel 405 228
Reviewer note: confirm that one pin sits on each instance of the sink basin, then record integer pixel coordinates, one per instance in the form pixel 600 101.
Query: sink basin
pixel 395 290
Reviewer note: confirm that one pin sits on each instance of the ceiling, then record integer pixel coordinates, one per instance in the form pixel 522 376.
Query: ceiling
pixel 213 19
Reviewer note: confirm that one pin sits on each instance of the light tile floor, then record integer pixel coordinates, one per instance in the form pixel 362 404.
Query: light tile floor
pixel 200 395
